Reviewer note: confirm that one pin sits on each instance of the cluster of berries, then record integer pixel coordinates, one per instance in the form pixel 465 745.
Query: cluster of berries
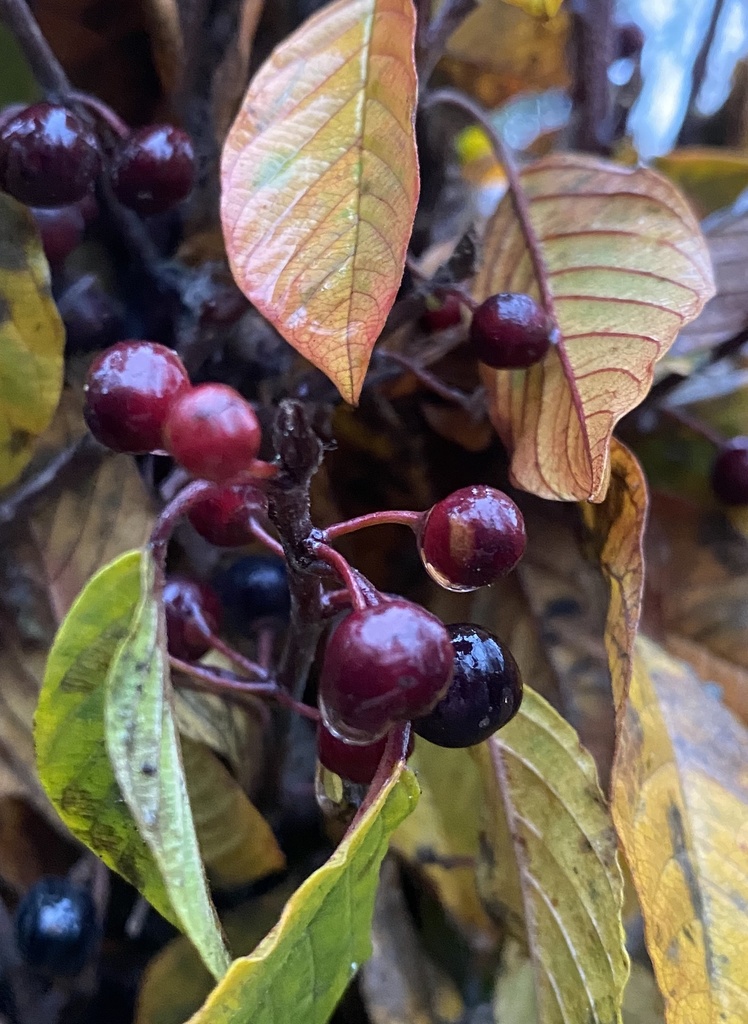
pixel 388 661
pixel 51 158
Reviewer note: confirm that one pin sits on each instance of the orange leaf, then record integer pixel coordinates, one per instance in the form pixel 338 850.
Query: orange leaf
pixel 627 268
pixel 320 182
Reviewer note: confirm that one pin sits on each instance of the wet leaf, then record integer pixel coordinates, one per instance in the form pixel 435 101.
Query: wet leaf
pixel 628 268
pixel 32 340
pixel 320 182
pixel 680 803
pixel 143 748
pixel 303 966
pixel 550 863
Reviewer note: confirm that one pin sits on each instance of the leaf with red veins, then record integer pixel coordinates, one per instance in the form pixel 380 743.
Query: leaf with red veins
pixel 627 267
pixel 320 182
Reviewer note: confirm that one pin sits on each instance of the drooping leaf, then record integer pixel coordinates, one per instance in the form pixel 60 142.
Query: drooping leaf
pixel 69 728
pixel 627 268
pixel 320 182
pixel 143 748
pixel 303 966
pixel 680 803
pixel 32 340
pixel 550 863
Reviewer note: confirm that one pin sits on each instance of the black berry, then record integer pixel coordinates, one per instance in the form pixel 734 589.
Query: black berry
pixel 48 156
pixel 510 331
pixel 56 927
pixel 193 612
pixel 129 391
pixel 383 665
pixel 730 472
pixel 154 169
pixel 213 432
pixel 484 695
pixel 222 514
pixel 471 538
pixel 255 588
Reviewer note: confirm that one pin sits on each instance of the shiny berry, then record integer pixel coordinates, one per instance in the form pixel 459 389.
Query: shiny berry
pixel 484 695
pixel 353 761
pixel 213 432
pixel 48 156
pixel 510 331
pixel 154 169
pixel 255 588
pixel 56 927
pixel 222 515
pixel 129 391
pixel 383 665
pixel 193 612
pixel 61 230
pixel 442 311
pixel 730 472
pixel 471 538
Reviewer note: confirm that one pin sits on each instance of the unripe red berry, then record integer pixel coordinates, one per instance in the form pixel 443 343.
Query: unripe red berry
pixel 213 432
pixel 48 156
pixel 383 665
pixel 222 514
pixel 471 538
pixel 61 230
pixel 442 311
pixel 154 169
pixel 510 331
pixel 730 472
pixel 129 391
pixel 193 612
pixel 353 761
pixel 485 693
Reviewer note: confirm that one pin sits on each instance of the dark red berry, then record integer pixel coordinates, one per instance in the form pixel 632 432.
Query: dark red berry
pixel 129 391
pixel 471 538
pixel 255 588
pixel 730 472
pixel 222 515
pixel 193 612
pixel 442 311
pixel 213 432
pixel 353 761
pixel 48 156
pixel 510 331
pixel 383 665
pixel 92 317
pixel 60 229
pixel 154 169
pixel 484 695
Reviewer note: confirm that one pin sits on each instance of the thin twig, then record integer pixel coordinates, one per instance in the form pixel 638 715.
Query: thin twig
pixel 590 54
pixel 31 489
pixel 400 518
pixel 434 38
pixel 46 68
pixel 699 70
pixel 344 571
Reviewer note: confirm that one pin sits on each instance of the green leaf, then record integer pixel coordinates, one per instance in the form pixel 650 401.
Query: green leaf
pixel 69 728
pixel 551 868
pixel 302 968
pixel 143 746
pixel 32 340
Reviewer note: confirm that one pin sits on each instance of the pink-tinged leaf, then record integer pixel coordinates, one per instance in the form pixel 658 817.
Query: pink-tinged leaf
pixel 320 182
pixel 627 267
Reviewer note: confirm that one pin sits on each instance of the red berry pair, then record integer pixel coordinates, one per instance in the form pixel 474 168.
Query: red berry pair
pixel 139 399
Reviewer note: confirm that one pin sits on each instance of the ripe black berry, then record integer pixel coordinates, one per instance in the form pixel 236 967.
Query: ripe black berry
pixel 48 156
pixel 730 472
pixel 56 927
pixel 129 391
pixel 60 229
pixel 471 538
pixel 255 588
pixel 222 514
pixel 442 311
pixel 383 665
pixel 484 695
pixel 510 331
pixel 193 612
pixel 213 432
pixel 154 169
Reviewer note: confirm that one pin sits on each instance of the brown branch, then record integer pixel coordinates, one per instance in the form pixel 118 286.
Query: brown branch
pixel 590 55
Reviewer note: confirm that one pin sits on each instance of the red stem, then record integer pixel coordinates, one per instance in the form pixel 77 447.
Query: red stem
pixel 265 538
pixel 411 519
pixel 345 571
pixel 250 667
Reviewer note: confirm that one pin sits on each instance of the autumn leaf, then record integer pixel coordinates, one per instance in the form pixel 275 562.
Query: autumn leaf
pixel 32 340
pixel 627 268
pixel 711 177
pixel 320 182
pixel 550 867
pixel 680 803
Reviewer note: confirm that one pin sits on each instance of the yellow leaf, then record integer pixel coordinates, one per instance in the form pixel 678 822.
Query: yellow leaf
pixel 538 8
pixel 320 182
pixel 680 803
pixel 711 177
pixel 627 267
pixel 32 340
